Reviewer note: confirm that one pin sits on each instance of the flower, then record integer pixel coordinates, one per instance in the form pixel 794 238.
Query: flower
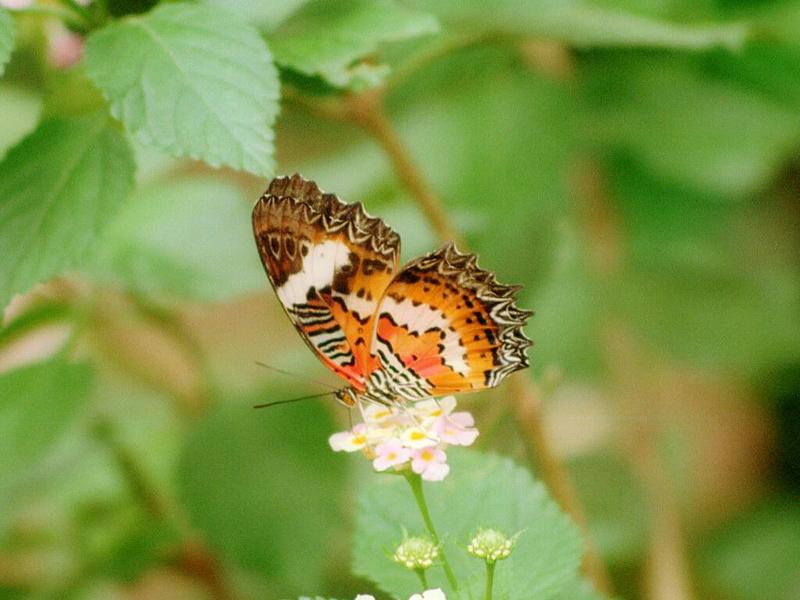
pixel 390 454
pixel 65 48
pixel 411 436
pixel 431 463
pixel 365 597
pixel 434 594
pixel 417 437
pixel 349 441
pixel 457 429
pixel 416 553
pixel 491 545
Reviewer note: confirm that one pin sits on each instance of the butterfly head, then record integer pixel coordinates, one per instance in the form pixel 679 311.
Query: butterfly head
pixel 347 396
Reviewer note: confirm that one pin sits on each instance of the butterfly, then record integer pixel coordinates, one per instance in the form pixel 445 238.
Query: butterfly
pixel 438 325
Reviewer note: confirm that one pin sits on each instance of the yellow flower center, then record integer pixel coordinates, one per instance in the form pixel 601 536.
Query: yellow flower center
pixel 417 435
pixel 426 455
pixel 359 440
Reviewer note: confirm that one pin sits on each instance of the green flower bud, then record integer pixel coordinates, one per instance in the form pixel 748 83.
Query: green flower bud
pixel 491 545
pixel 416 553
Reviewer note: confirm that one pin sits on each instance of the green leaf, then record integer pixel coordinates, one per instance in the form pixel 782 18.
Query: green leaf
pixel 7 33
pixel 59 188
pixel 266 15
pixel 689 128
pixel 263 486
pixel 758 555
pixel 189 238
pixel 329 39
pixel 585 23
pixel 481 490
pixel 25 106
pixel 193 80
pixel 38 404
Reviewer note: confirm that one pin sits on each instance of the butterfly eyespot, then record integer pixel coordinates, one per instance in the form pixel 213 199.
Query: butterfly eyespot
pixel 274 245
pixel 290 246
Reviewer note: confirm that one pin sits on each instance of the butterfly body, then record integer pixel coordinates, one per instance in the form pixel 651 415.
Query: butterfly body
pixel 436 326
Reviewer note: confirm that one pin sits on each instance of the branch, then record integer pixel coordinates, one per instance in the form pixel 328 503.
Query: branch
pixel 367 110
pixel 667 573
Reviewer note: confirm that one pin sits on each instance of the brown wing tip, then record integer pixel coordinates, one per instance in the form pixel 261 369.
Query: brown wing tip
pixel 335 213
pixel 499 299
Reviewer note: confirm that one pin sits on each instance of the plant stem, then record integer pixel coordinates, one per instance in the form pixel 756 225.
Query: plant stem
pixel 367 110
pixel 489 580
pixel 423 579
pixel 415 481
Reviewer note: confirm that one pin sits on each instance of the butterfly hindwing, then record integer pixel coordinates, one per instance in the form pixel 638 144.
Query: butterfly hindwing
pixel 444 325
pixel 329 263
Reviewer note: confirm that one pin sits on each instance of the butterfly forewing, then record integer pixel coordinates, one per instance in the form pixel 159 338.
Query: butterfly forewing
pixel 444 325
pixel 330 264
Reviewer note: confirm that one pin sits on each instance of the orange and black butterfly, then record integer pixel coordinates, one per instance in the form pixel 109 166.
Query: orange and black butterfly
pixel 438 325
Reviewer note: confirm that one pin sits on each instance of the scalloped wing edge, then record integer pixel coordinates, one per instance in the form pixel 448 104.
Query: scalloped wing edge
pixel 498 298
pixel 362 228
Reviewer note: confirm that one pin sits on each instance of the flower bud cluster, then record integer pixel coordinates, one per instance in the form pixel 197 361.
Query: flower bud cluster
pixel 491 545
pixel 416 553
pixel 411 436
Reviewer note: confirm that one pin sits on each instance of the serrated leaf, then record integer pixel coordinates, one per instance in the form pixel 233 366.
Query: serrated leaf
pixel 193 80
pixel 38 403
pixel 59 187
pixel 7 33
pixel 585 23
pixel 329 38
pixel 481 491
pixel 187 238
pixel 273 504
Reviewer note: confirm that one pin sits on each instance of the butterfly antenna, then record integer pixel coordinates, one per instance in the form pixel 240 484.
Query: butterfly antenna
pixel 295 375
pixel 290 400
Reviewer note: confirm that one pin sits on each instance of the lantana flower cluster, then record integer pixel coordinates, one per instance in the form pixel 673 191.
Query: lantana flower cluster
pixel 411 436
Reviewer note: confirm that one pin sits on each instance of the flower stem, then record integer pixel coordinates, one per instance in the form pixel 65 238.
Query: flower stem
pixel 423 579
pixel 487 595
pixel 415 481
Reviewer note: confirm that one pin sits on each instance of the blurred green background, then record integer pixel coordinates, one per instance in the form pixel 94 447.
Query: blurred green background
pixel 633 164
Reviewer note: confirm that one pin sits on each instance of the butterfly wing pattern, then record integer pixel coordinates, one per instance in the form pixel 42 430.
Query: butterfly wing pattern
pixel 445 325
pixel 439 325
pixel 329 263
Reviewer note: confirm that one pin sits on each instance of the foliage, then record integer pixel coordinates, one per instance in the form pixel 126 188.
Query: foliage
pixel 483 490
pixel 217 105
pixel 632 164
pixel 6 38
pixel 89 171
